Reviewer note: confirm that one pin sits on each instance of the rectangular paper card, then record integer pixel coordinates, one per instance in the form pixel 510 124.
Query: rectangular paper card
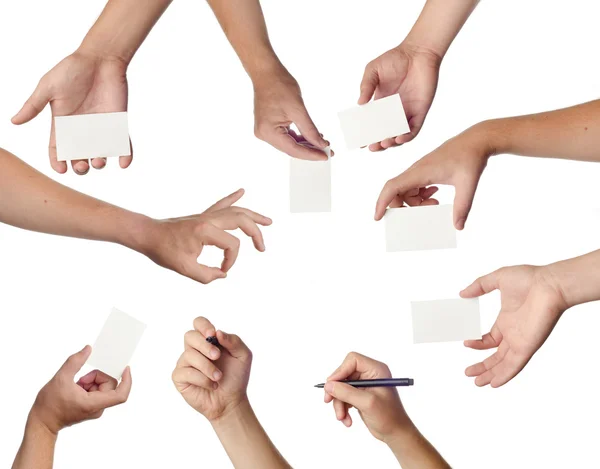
pixel 310 185
pixel 373 122
pixel 445 320
pixel 419 228
pixel 116 343
pixel 86 136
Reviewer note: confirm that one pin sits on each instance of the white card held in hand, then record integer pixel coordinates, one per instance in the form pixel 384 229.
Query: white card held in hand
pixel 445 320
pixel 116 343
pixel 310 185
pixel 419 228
pixel 86 136
pixel 373 122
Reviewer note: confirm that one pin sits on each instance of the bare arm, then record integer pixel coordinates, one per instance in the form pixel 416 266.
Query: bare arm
pixel 37 448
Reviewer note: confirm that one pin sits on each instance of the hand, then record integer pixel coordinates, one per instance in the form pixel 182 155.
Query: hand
pixel 62 402
pixel 532 304
pixel 277 104
pixel 82 83
pixel 213 380
pixel 411 71
pixel 177 243
pixel 459 162
pixel 380 408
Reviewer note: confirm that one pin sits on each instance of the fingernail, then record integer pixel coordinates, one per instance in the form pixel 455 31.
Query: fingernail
pixel 217 375
pixel 329 387
pixel 214 353
pixel 215 385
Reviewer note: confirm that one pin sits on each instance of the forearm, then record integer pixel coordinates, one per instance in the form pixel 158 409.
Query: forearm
pixel 246 442
pixel 413 451
pixel 32 201
pixel 439 23
pixel 244 25
pixel 572 133
pixel 37 448
pixel 122 27
pixel 578 278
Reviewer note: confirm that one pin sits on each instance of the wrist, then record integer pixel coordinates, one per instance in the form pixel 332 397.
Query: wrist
pixel 40 426
pixel 237 414
pixel 97 50
pixel 135 231
pixel 401 435
pixel 575 280
pixel 416 48
pixel 263 74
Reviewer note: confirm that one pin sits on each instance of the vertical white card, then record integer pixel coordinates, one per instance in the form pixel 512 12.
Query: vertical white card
pixel 373 122
pixel 445 320
pixel 419 228
pixel 310 185
pixel 86 136
pixel 116 343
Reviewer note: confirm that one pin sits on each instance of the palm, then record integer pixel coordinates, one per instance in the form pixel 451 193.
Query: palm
pixel 232 389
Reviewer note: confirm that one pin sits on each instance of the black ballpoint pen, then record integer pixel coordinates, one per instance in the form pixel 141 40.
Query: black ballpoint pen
pixel 375 383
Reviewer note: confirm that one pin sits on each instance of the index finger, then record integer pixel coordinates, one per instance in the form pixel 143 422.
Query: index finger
pixel 223 240
pixel 357 363
pixel 284 142
pixel 226 201
pixel 105 399
pixel 404 182
pixel 205 327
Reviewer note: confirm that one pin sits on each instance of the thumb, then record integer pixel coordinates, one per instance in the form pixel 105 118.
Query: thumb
pixel 308 129
pixel 34 105
pixel 74 363
pixel 348 394
pixel 234 345
pixel 368 84
pixel 463 200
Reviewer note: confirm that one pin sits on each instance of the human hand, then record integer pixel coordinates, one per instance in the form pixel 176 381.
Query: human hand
pixel 62 402
pixel 176 243
pixel 531 305
pixel 278 104
pixel 380 408
pixel 412 72
pixel 459 162
pixel 82 83
pixel 213 380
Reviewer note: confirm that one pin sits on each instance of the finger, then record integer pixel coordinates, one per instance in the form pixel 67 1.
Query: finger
pixel 125 160
pixel 483 285
pixel 235 220
pixel 405 138
pixel 103 400
pixel 340 409
pixel 58 166
pixel 368 84
pixel 510 367
pixel 195 359
pixel 228 243
pixel 475 370
pixel 375 147
pixel 256 217
pixel 226 201
pixel 346 393
pixel 234 345
pixel 188 376
pixel 484 379
pixel 34 105
pixel 81 167
pixel 348 420
pixel 98 163
pixel 427 192
pixel 355 363
pixel 463 201
pixel 205 327
pixel 490 340
pixel 194 340
pixel 204 274
pixel 74 363
pixel 307 128
pixel 406 181
pixel 284 142
pixel 388 143
pixel 99 380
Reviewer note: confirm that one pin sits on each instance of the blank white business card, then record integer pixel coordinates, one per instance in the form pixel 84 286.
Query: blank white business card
pixel 86 136
pixel 419 228
pixel 373 122
pixel 445 320
pixel 116 343
pixel 310 185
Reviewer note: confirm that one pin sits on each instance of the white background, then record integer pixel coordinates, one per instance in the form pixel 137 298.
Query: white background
pixel 325 285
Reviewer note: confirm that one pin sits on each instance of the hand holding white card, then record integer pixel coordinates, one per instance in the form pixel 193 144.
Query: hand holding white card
pixel 419 228
pixel 373 122
pixel 116 343
pixel 445 320
pixel 87 136
pixel 310 185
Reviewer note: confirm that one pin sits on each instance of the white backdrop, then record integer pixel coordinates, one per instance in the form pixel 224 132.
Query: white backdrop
pixel 325 285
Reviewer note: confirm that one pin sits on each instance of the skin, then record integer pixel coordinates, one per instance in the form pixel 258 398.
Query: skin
pixel 277 98
pixel 214 380
pixel 412 68
pixel 571 133
pixel 32 201
pixel 94 78
pixel 381 411
pixel 533 299
pixel 62 403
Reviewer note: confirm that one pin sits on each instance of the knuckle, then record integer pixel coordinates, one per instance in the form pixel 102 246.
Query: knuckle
pixel 188 337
